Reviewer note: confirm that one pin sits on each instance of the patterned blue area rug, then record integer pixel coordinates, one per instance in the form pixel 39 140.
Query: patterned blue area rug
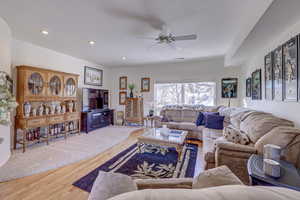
pixel 152 162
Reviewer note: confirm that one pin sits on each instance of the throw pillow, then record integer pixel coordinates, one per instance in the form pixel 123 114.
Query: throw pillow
pixel 214 121
pixel 164 119
pixel 200 119
pixel 109 184
pixel 236 136
pixel 216 177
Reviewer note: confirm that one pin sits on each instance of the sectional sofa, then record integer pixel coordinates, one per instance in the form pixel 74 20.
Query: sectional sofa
pixel 258 127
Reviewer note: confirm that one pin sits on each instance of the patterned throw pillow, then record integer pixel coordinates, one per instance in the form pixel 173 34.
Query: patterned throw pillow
pixel 234 135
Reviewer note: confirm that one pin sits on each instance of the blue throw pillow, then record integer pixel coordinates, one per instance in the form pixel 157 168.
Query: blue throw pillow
pixel 214 121
pixel 202 117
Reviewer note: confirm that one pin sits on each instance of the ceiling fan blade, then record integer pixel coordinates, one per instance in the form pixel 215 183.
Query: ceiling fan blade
pixel 185 37
pixel 146 38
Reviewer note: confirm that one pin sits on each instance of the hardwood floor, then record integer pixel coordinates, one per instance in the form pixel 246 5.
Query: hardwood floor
pixel 57 184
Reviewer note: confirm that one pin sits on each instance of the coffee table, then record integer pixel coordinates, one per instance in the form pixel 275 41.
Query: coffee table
pixel 153 136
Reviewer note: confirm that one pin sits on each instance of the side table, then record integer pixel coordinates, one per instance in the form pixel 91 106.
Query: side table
pixel 290 176
pixel 149 121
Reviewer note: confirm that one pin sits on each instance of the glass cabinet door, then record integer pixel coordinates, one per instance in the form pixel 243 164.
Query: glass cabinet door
pixel 70 88
pixel 35 83
pixel 55 85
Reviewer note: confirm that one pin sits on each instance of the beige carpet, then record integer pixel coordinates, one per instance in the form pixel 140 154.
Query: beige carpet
pixel 40 158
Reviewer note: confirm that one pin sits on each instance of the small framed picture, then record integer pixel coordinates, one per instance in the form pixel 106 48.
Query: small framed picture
pixel 145 85
pixel 290 70
pixel 123 83
pixel 248 87
pixel 256 85
pixel 122 98
pixel 269 77
pixel 229 87
pixel 93 76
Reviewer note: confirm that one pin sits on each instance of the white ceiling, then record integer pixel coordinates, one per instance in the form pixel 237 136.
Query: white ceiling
pixel 120 26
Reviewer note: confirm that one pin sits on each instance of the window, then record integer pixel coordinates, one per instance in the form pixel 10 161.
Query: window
pixel 184 93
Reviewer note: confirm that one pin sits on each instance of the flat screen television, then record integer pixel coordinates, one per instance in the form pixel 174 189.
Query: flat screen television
pixel 93 99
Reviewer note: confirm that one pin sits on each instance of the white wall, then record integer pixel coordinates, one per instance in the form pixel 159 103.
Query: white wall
pixel 28 54
pixel 288 110
pixel 5 63
pixel 203 70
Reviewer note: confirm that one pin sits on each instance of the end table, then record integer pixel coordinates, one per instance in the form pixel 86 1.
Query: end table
pixel 290 176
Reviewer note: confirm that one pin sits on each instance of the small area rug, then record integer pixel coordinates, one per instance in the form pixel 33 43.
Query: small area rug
pixel 152 162
pixel 61 152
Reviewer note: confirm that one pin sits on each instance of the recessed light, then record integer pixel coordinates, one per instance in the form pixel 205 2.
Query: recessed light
pixel 92 42
pixel 124 58
pixel 44 32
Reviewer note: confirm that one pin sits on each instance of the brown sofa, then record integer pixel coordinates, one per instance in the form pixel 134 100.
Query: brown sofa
pixel 184 118
pixel 261 128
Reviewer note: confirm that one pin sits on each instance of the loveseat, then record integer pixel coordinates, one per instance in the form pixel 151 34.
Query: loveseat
pixel 184 118
pixel 261 128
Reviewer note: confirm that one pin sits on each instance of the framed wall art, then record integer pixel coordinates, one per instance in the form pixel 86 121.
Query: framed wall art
pixel 290 70
pixel 145 84
pixel 122 98
pixel 277 74
pixel 93 76
pixel 248 87
pixel 123 83
pixel 256 85
pixel 229 87
pixel 268 77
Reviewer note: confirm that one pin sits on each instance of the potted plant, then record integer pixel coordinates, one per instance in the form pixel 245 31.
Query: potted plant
pixel 131 87
pixel 7 100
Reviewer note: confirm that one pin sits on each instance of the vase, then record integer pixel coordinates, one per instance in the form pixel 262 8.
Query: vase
pixel 131 94
pixel 58 109
pixel 63 109
pixel 27 109
pixel 41 110
pixel 46 111
pixel 52 108
pixel 33 110
pixel 70 106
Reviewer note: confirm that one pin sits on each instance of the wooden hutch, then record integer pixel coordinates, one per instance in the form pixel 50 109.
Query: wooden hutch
pixel 48 105
pixel 134 111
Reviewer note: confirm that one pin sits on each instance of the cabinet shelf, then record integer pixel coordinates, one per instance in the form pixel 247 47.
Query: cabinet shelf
pixel 44 86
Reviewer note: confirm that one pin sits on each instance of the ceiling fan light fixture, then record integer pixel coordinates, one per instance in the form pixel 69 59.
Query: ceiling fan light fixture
pixel 124 58
pixel 44 32
pixel 92 42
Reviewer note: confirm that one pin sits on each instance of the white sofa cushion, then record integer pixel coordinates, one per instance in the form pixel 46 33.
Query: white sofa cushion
pixel 109 184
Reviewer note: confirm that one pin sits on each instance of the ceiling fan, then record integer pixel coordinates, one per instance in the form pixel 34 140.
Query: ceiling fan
pixel 169 38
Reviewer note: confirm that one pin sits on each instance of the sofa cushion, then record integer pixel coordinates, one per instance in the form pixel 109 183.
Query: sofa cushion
pixel 236 117
pixel 216 177
pixel 257 124
pixel 171 125
pixel 189 115
pixel 211 108
pixel 109 184
pixel 189 126
pixel 214 121
pixel 288 138
pixel 174 115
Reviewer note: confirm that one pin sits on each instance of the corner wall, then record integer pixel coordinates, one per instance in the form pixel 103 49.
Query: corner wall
pixel 5 64
pixel 288 110
pixel 209 70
